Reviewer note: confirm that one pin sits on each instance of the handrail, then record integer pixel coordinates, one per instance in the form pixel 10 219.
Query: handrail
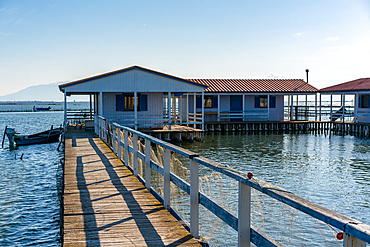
pixel 353 230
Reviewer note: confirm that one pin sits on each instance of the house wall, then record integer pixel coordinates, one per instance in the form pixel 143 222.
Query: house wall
pixel 155 107
pixel 276 114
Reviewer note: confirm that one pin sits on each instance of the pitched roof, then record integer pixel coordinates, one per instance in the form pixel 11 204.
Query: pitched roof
pixel 355 85
pixel 62 86
pixel 255 85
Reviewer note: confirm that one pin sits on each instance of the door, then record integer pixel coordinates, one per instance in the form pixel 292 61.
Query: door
pixel 236 102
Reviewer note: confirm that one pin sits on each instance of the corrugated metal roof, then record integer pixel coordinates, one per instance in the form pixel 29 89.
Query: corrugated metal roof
pixel 124 70
pixel 355 85
pixel 255 85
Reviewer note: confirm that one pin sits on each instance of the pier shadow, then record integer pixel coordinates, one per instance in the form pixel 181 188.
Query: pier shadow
pixel 144 225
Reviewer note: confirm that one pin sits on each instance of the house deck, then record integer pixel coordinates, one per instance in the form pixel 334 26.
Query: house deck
pixel 106 205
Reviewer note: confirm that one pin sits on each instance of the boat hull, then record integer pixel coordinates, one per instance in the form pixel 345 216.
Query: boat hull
pixel 40 138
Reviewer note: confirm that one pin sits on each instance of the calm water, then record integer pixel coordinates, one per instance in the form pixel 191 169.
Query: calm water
pixel 331 171
pixel 29 204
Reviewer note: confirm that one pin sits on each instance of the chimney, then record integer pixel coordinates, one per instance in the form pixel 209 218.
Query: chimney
pixel 307 74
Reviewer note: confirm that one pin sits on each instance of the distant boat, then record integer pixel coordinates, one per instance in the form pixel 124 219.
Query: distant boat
pixel 41 108
pixel 47 136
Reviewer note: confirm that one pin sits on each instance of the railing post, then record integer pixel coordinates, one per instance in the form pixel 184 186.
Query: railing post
pixel 135 162
pixel 166 178
pixel 350 241
pixel 114 130
pixel 125 136
pixel 194 199
pixel 244 215
pixel 147 164
pixel 119 143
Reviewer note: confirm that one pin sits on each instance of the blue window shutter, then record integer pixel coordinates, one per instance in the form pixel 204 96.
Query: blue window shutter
pixel 272 101
pixel 143 102
pixel 360 101
pixel 199 102
pixel 120 102
pixel 257 102
pixel 215 102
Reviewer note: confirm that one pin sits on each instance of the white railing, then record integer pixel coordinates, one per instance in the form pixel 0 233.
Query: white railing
pixel 116 137
pixel 243 115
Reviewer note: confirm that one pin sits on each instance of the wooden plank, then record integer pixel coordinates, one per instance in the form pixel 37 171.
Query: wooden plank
pixel 106 205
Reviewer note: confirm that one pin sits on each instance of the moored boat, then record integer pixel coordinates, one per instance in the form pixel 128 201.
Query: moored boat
pixel 48 136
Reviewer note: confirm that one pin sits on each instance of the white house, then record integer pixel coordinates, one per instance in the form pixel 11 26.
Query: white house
pixel 249 99
pixel 360 89
pixel 138 97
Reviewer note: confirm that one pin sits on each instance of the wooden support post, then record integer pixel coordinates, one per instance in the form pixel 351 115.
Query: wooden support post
pixel 350 241
pixel 147 164
pixel 135 161
pixel 114 129
pixel 119 147
pixel 166 178
pixel 125 136
pixel 194 199
pixel 244 215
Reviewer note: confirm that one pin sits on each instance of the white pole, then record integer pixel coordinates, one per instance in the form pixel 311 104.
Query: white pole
pixel 194 199
pixel 268 107
pixel 244 213
pixel 350 241
pixel 291 107
pixel 125 136
pixel 195 109
pixel 243 106
pixel 344 105
pixel 101 103
pixel 218 107
pixel 166 179
pixel 187 108
pixel 135 109
pixel 169 110
pixel 356 108
pixel 331 107
pixel 65 109
pixel 315 106
pixel 147 164
pixel 119 143
pixel 202 110
pixel 320 108
pixel 135 161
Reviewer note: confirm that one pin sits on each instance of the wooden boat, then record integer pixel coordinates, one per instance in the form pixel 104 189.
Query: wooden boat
pixel 41 108
pixel 48 136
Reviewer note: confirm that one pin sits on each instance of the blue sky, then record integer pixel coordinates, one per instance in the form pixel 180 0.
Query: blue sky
pixel 43 42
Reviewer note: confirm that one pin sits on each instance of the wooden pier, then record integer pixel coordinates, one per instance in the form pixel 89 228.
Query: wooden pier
pixel 104 204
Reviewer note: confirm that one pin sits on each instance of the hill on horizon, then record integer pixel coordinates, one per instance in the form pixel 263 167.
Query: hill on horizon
pixel 44 92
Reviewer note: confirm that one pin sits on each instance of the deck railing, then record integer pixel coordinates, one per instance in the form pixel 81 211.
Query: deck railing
pixel 116 137
pixel 244 115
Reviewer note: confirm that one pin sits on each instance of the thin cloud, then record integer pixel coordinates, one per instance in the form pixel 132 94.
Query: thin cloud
pixel 332 38
pixel 298 34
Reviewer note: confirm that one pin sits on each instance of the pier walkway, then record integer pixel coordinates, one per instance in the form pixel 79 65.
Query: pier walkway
pixel 106 205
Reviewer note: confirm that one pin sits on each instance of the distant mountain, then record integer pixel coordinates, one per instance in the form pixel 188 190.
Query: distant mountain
pixel 47 92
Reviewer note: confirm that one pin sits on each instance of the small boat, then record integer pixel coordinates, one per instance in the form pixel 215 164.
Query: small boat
pixel 48 136
pixel 41 108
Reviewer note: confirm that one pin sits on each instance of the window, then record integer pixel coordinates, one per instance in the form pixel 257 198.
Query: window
pixel 125 102
pixel 209 101
pixel 364 101
pixel 261 101
pixel 129 102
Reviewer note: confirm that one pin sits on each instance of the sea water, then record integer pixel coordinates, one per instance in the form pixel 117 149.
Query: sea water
pixel 30 183
pixel 333 171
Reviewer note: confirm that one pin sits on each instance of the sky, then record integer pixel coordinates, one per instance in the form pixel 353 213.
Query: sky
pixel 44 42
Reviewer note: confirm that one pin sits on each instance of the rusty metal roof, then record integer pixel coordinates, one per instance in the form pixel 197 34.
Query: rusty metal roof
pixel 256 85
pixel 355 85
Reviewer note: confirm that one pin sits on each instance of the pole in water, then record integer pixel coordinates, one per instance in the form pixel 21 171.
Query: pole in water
pixel 2 145
pixel 22 156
